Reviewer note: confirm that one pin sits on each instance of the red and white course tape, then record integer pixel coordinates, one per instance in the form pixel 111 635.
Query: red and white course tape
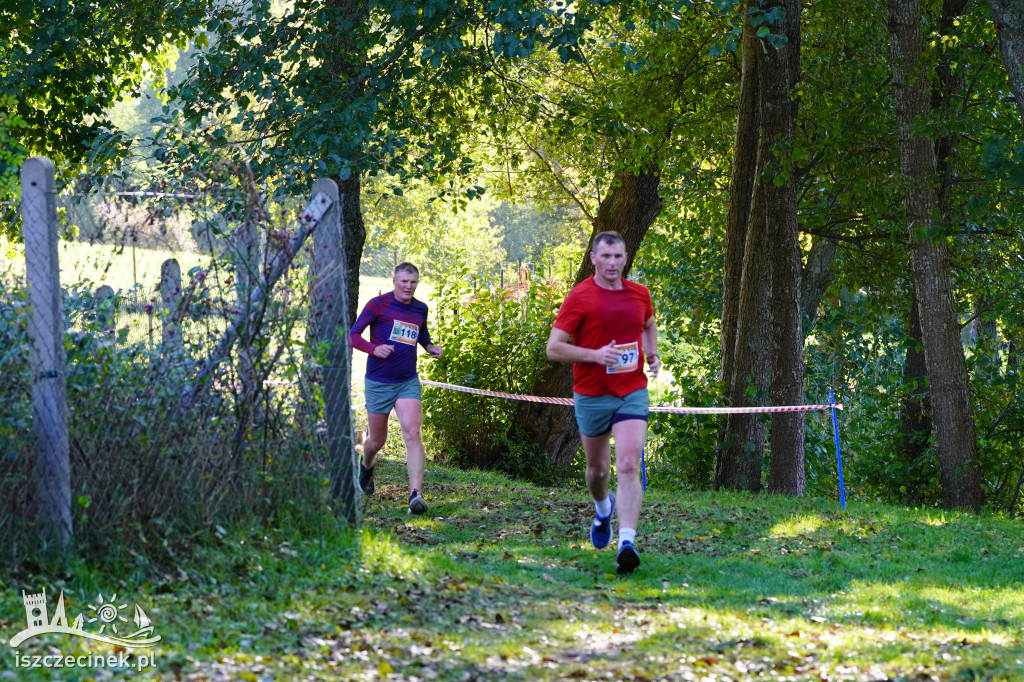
pixel 672 410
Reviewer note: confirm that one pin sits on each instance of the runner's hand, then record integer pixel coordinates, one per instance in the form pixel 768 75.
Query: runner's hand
pixel 606 356
pixel 434 351
pixel 654 363
pixel 383 350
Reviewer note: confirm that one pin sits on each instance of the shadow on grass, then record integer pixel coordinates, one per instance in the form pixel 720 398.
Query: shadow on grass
pixel 498 581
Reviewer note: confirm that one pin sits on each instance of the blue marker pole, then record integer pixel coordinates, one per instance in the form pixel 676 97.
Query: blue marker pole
pixel 643 468
pixel 839 457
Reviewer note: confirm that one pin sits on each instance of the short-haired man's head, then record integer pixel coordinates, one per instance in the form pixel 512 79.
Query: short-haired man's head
pixel 406 267
pixel 610 238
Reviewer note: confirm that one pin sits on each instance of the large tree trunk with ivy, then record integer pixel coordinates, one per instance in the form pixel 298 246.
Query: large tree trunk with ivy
pixel 1008 16
pixel 629 209
pixel 762 337
pixel 778 81
pixel 735 465
pixel 940 331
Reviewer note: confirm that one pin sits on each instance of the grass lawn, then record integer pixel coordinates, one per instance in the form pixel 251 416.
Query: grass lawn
pixel 498 582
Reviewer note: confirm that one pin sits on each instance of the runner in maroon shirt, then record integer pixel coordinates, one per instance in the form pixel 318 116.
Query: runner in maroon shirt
pixel 397 323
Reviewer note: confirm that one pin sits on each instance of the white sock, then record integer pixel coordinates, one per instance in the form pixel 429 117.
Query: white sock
pixel 626 534
pixel 604 507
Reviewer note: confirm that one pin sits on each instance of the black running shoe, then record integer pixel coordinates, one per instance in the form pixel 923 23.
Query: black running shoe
pixel 628 558
pixel 366 479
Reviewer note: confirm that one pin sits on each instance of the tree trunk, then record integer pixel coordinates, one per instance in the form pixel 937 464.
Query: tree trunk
pixel 738 465
pixel 629 209
pixel 944 357
pixel 761 315
pixel 741 191
pixel 328 330
pixel 735 466
pixel 779 76
pixel 916 407
pixel 355 237
pixel 816 276
pixel 1008 16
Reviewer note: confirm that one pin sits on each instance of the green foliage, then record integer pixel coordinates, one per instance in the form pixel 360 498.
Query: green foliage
pixel 494 339
pixel 859 354
pixel 997 387
pixel 528 231
pixel 680 450
pixel 16 417
pixel 12 153
pixel 680 262
pixel 63 64
pixel 642 97
pixel 364 88
pixel 430 232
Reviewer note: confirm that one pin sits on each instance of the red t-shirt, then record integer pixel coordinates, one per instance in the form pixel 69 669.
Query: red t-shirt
pixel 594 317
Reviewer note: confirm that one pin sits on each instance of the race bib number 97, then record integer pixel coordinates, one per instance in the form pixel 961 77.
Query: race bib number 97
pixel 405 332
pixel 628 360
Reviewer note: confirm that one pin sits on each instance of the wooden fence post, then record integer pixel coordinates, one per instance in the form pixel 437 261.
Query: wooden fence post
pixel 46 328
pixel 329 326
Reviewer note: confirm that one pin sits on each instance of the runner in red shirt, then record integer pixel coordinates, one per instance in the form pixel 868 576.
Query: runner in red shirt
pixel 606 328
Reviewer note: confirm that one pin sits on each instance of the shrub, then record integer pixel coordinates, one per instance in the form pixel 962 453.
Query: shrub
pixel 680 449
pixel 493 338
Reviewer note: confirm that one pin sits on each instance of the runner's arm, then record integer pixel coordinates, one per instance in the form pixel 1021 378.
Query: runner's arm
pixel 355 334
pixel 561 349
pixel 650 338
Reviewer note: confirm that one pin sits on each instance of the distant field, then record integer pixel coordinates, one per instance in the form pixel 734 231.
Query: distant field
pixel 122 268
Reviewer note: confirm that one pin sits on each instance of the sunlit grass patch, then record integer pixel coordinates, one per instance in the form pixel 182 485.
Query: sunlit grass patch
pixel 382 552
pixel 796 525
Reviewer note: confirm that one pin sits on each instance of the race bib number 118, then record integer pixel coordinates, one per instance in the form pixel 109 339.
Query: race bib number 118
pixel 405 332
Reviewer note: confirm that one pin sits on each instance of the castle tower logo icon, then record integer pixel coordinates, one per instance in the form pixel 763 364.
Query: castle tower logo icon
pixel 112 620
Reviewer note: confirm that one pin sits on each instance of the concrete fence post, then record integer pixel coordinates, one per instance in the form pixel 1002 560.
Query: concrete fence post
pixel 329 326
pixel 170 294
pixel 46 328
pixel 106 314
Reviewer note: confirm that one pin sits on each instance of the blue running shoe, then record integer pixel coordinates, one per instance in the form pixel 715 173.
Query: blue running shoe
pixel 601 529
pixel 628 558
pixel 417 505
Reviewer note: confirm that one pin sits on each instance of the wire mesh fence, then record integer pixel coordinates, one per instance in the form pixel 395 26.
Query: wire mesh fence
pixel 175 326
